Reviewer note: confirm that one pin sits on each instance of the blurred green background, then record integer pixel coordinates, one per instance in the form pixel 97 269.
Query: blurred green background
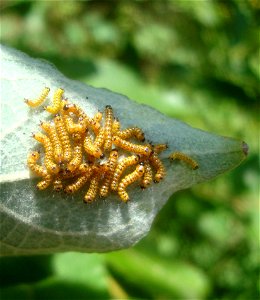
pixel 197 61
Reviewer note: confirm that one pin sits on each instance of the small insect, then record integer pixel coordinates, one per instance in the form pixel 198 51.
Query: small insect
pixel 115 126
pixel 108 127
pixel 57 184
pixel 122 165
pixel 100 138
pixel 75 129
pixel 93 189
pixel 85 168
pixel 90 148
pixel 71 126
pixel 38 101
pixel 77 157
pixel 159 148
pixel 104 189
pixel 83 122
pixel 71 108
pixel 44 183
pixel 138 149
pixel 48 159
pixel 95 122
pixel 80 181
pixel 128 179
pixel 77 111
pixel 158 166
pixel 37 169
pixel 131 132
pixel 57 148
pixel 56 106
pixel 64 137
pixel 63 102
pixel 68 121
pixel 181 156
pixel 148 176
pixel 98 116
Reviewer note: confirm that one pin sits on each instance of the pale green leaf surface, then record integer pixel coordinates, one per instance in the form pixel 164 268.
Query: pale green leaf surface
pixel 34 222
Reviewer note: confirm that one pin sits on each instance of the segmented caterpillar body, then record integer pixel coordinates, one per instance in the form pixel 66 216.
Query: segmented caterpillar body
pixel 127 180
pixel 148 176
pixel 77 157
pixel 158 166
pixel 37 102
pixel 100 138
pixel 122 165
pixel 131 132
pixel 56 106
pixel 108 127
pixel 48 159
pixel 57 184
pixel 95 122
pixel 135 148
pixel 71 126
pixel 90 148
pixel 159 148
pixel 93 189
pixel 113 157
pixel 37 169
pixel 57 147
pixel 116 126
pixel 64 137
pixel 188 160
pixel 80 181
pixel 83 119
pixel 98 117
pixel 42 185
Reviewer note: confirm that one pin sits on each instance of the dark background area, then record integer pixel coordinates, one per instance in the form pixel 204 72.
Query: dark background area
pixel 197 61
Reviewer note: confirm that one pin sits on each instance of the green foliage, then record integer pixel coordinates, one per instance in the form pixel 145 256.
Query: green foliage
pixel 197 62
pixel 160 278
pixel 63 276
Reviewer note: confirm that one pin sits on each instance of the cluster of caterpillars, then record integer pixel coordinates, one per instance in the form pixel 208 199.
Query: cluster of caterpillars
pixel 95 152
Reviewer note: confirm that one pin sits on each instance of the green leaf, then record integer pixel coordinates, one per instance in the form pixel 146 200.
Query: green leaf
pixel 34 222
pixel 61 276
pixel 161 278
